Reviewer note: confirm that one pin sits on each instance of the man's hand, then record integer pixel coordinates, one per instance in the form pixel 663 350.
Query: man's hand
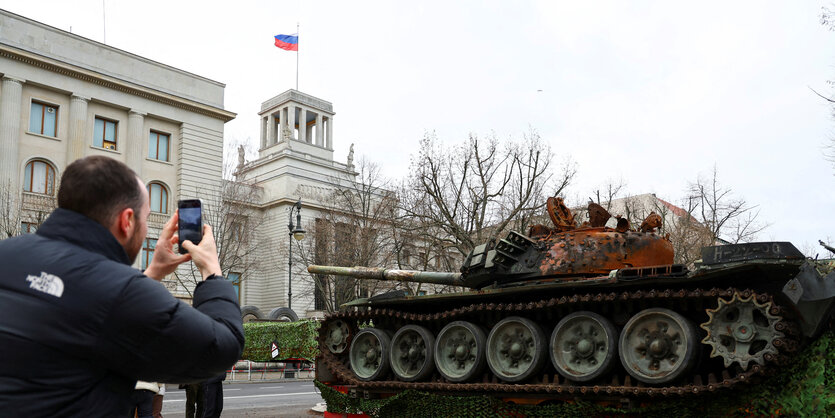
pixel 166 259
pixel 204 254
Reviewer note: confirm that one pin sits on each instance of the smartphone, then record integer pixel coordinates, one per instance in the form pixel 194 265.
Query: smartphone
pixel 190 224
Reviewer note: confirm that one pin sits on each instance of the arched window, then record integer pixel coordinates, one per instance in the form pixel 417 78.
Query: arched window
pixel 159 197
pixel 39 177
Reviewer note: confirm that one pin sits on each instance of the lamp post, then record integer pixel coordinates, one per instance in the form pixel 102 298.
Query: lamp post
pixel 296 232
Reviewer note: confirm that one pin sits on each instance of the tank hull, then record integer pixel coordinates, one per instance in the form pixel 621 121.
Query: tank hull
pixel 668 306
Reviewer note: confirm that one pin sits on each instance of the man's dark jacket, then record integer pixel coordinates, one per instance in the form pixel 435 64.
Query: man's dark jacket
pixel 79 325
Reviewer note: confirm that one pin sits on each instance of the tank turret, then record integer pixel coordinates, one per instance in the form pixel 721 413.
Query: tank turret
pixel 566 250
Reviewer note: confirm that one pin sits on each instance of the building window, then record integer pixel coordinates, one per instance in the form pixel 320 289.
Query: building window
pixel 148 252
pixel 28 227
pixel 43 119
pixel 39 177
pixel 235 278
pixel 159 197
pixel 104 133
pixel 235 231
pixel 158 146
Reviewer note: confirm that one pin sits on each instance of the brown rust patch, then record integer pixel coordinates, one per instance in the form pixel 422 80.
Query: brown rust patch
pixel 601 250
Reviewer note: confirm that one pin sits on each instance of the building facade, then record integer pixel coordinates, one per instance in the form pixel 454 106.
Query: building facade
pixel 63 97
pixel 295 163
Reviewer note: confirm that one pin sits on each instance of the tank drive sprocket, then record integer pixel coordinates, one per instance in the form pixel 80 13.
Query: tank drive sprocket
pixel 741 330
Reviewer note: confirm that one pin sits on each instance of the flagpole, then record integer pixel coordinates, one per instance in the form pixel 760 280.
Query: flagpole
pixel 297 56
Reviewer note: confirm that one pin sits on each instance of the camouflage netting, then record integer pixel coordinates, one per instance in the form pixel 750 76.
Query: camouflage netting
pixel 295 340
pixel 805 388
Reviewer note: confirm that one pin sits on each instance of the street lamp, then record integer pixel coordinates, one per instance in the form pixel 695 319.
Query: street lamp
pixel 296 232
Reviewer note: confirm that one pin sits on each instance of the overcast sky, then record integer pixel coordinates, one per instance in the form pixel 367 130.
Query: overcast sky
pixel 653 93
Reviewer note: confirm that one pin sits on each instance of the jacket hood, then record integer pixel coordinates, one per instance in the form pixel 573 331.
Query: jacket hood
pixel 77 229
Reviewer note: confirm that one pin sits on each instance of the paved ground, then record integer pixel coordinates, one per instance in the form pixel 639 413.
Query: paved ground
pixel 284 398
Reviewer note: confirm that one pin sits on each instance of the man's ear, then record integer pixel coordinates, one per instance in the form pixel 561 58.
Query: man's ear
pixel 125 222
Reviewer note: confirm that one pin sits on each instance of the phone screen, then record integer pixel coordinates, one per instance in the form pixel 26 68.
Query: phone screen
pixel 190 222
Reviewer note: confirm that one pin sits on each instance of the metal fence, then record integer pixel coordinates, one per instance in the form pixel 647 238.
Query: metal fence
pixel 245 370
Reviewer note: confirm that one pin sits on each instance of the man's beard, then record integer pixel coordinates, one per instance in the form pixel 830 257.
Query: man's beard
pixel 134 247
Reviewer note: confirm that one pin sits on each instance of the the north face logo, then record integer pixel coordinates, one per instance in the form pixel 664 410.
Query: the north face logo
pixel 46 283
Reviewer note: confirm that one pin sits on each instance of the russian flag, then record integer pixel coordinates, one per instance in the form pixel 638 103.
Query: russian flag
pixel 288 42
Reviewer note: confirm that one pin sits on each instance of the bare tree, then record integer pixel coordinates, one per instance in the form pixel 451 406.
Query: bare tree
pixel 460 196
pixel 687 234
pixel 610 192
pixel 356 228
pixel 9 210
pixel 19 209
pixel 827 19
pixel 726 217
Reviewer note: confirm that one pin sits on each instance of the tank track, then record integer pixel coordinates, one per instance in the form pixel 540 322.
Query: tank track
pixel 552 384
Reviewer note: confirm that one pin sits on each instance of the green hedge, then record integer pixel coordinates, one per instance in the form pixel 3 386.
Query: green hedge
pixel 295 340
pixel 804 388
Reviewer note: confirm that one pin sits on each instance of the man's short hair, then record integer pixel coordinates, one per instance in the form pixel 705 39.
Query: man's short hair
pixel 99 187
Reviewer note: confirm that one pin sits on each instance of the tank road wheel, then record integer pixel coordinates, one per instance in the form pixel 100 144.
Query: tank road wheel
pixel 741 330
pixel 337 336
pixel 516 349
pixel 459 351
pixel 369 354
pixel 412 353
pixel 658 346
pixel 583 346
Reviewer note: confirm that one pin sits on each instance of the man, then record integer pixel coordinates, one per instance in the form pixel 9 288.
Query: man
pixel 195 399
pixel 214 396
pixel 142 400
pixel 79 326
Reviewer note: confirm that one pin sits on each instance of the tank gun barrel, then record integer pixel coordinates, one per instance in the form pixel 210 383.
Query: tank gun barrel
pixel 377 273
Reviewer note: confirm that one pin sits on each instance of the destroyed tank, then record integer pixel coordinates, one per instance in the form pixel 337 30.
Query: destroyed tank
pixel 581 311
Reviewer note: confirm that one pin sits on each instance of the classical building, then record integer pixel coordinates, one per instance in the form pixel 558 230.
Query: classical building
pixel 295 163
pixel 63 97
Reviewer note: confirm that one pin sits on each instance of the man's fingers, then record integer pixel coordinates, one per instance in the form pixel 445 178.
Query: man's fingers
pixel 170 226
pixel 172 221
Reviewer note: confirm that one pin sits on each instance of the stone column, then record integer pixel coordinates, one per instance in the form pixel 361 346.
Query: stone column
pixel 270 139
pixel 77 135
pixel 329 144
pixel 291 120
pixel 308 132
pixel 303 125
pixel 10 108
pixel 264 124
pixel 320 141
pixel 282 124
pixel 133 144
